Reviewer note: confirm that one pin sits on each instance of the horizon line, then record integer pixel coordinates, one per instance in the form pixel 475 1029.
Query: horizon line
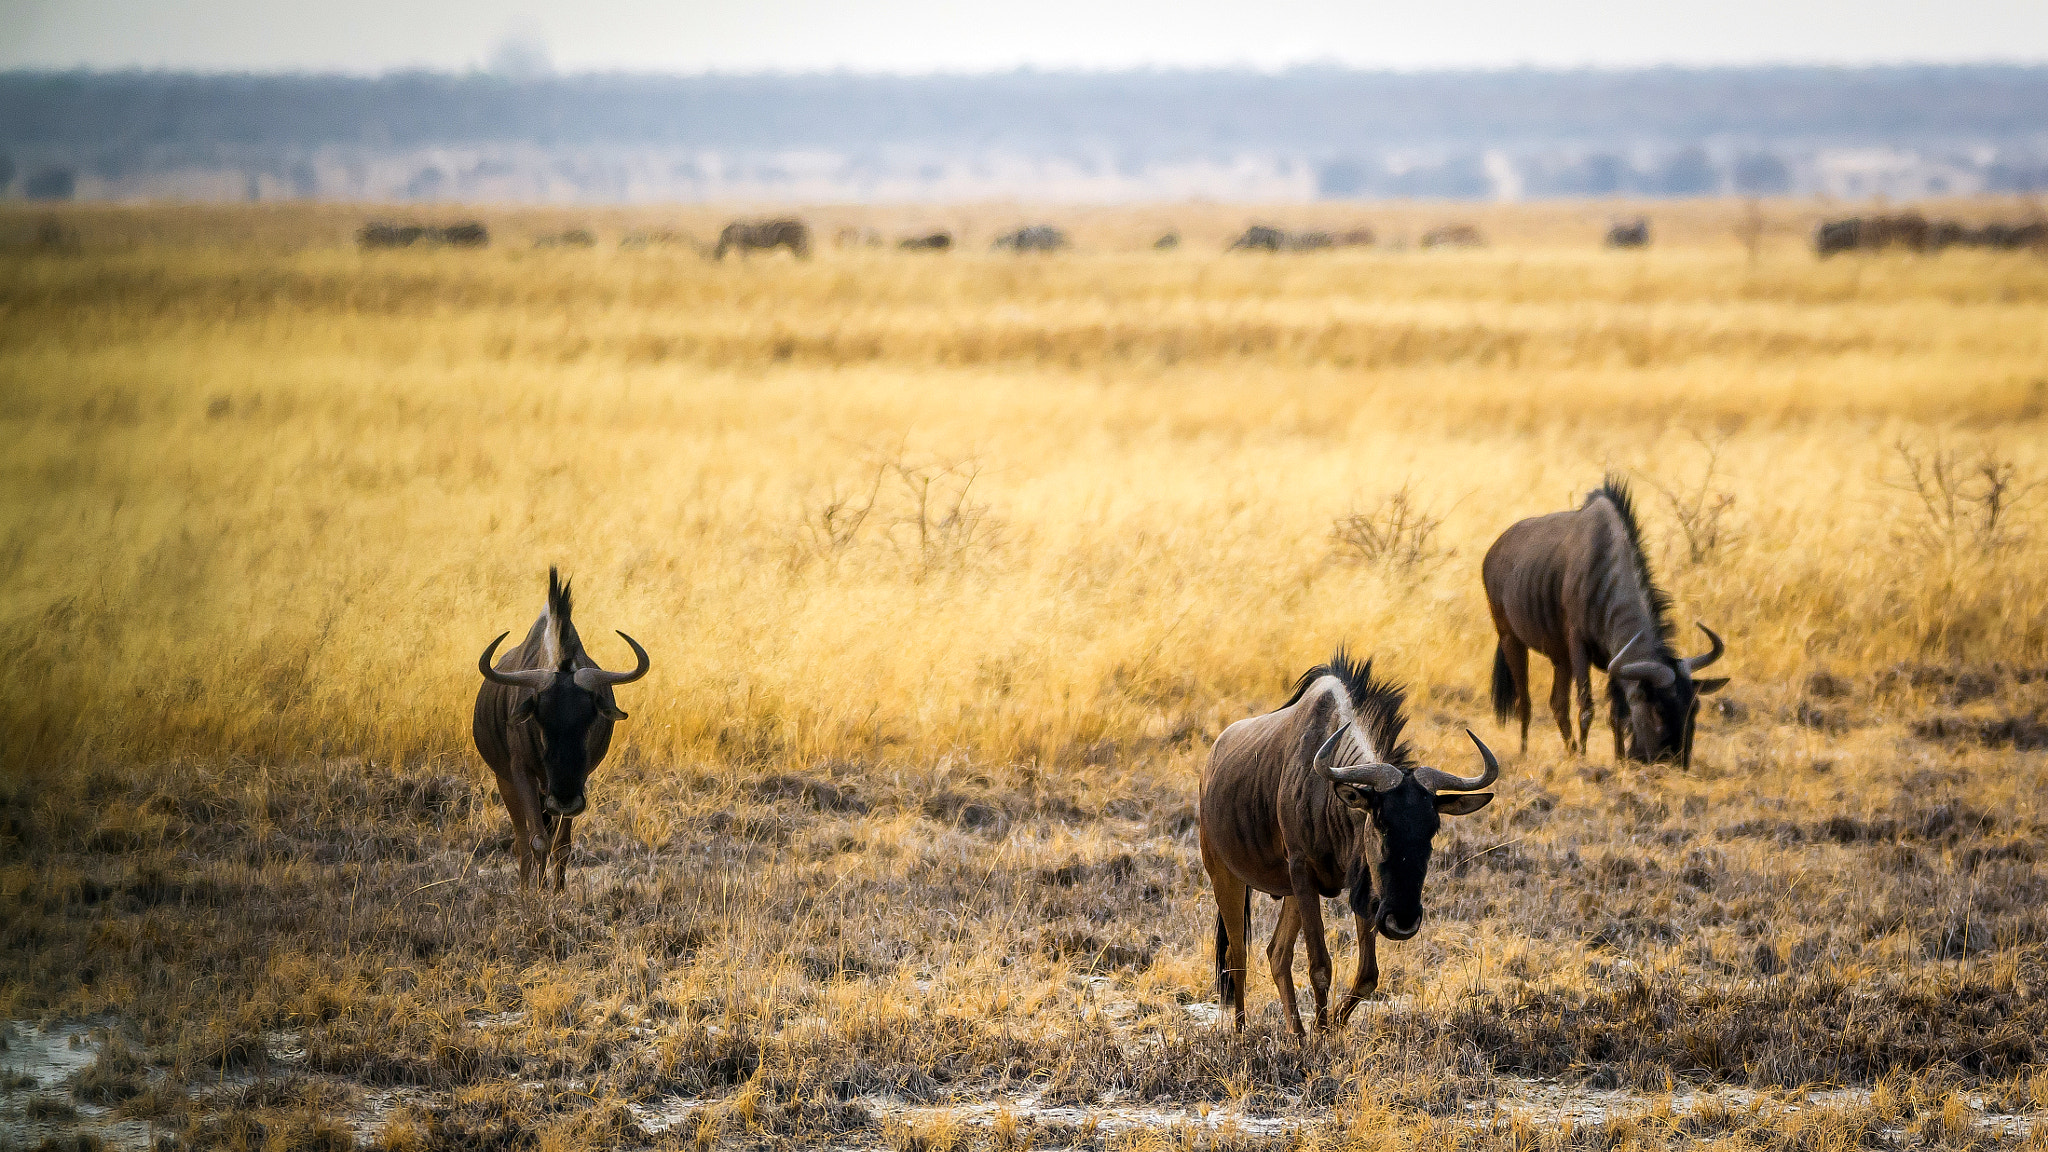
pixel 1027 70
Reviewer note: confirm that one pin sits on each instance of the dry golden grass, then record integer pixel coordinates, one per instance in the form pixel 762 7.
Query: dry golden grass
pixel 989 547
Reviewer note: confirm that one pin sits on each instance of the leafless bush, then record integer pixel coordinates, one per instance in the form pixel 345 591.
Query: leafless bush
pixel 1398 533
pixel 923 512
pixel 1975 500
pixel 1701 508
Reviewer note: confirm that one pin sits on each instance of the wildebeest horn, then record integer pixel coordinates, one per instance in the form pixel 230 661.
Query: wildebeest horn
pixel 589 679
pixel 1636 669
pixel 1695 663
pixel 1379 777
pixel 534 678
pixel 1438 780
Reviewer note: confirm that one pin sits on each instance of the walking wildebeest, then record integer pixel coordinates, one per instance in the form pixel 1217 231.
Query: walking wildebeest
pixel 1629 234
pixel 1313 799
pixel 764 236
pixel 930 242
pixel 1576 587
pixel 543 723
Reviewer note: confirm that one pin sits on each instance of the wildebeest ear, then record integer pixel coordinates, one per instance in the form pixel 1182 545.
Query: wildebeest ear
pixel 1464 803
pixel 1711 685
pixel 526 709
pixel 1356 797
pixel 611 711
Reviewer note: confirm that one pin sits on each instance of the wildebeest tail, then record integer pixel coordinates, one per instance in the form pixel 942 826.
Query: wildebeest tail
pixel 1503 686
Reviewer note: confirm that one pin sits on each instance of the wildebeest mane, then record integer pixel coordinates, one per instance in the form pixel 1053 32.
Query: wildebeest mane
pixel 1376 703
pixel 558 635
pixel 559 601
pixel 1615 491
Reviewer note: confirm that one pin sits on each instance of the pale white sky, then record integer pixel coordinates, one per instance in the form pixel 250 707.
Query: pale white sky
pixel 367 36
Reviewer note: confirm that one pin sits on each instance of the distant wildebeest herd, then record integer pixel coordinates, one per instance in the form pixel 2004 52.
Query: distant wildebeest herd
pixel 1909 231
pixel 1914 232
pixel 1320 798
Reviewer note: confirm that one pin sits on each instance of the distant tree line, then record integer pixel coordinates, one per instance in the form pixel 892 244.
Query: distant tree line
pixel 1658 132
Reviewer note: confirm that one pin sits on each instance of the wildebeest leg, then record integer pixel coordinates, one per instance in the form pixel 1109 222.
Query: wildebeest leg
pixel 1367 981
pixel 1515 655
pixel 1231 927
pixel 1308 900
pixel 1583 678
pixel 1280 960
pixel 558 850
pixel 522 802
pixel 1561 700
pixel 1617 714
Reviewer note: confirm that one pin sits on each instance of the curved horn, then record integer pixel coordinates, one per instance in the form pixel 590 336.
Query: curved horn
pixel 534 678
pixel 590 679
pixel 1628 655
pixel 1438 780
pixel 1695 663
pixel 1629 666
pixel 1378 777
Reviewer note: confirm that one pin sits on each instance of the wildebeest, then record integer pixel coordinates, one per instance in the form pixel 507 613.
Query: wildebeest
pixel 1906 230
pixel 1629 233
pixel 929 242
pixel 1033 238
pixel 1167 242
pixel 764 236
pixel 543 723
pixel 1312 800
pixel 1996 235
pixel 1576 587
pixel 1260 238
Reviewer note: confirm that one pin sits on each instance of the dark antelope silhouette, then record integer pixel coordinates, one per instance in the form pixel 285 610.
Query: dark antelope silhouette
pixel 764 236
pixel 543 723
pixel 1629 234
pixel 1576 587
pixel 1314 799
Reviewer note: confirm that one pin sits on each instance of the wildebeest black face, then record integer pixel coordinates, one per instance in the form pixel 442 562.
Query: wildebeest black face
pixel 1661 719
pixel 563 712
pixel 1405 820
pixel 1662 696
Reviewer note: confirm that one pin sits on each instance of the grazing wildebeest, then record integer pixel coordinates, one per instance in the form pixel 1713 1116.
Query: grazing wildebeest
pixel 1169 241
pixel 1259 238
pixel 1576 587
pixel 1309 801
pixel 1033 238
pixel 764 236
pixel 930 242
pixel 1629 233
pixel 543 723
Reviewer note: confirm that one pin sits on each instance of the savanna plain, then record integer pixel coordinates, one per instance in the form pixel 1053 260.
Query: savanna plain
pixel 951 566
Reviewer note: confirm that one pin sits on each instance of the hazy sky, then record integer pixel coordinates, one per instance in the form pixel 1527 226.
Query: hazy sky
pixel 935 35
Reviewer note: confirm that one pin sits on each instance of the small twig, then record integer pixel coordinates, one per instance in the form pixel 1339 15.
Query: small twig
pixel 1495 848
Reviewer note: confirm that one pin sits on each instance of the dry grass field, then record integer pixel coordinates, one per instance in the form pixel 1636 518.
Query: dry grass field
pixel 951 566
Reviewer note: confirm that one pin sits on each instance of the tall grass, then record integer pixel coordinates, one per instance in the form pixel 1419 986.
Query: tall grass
pixel 267 503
